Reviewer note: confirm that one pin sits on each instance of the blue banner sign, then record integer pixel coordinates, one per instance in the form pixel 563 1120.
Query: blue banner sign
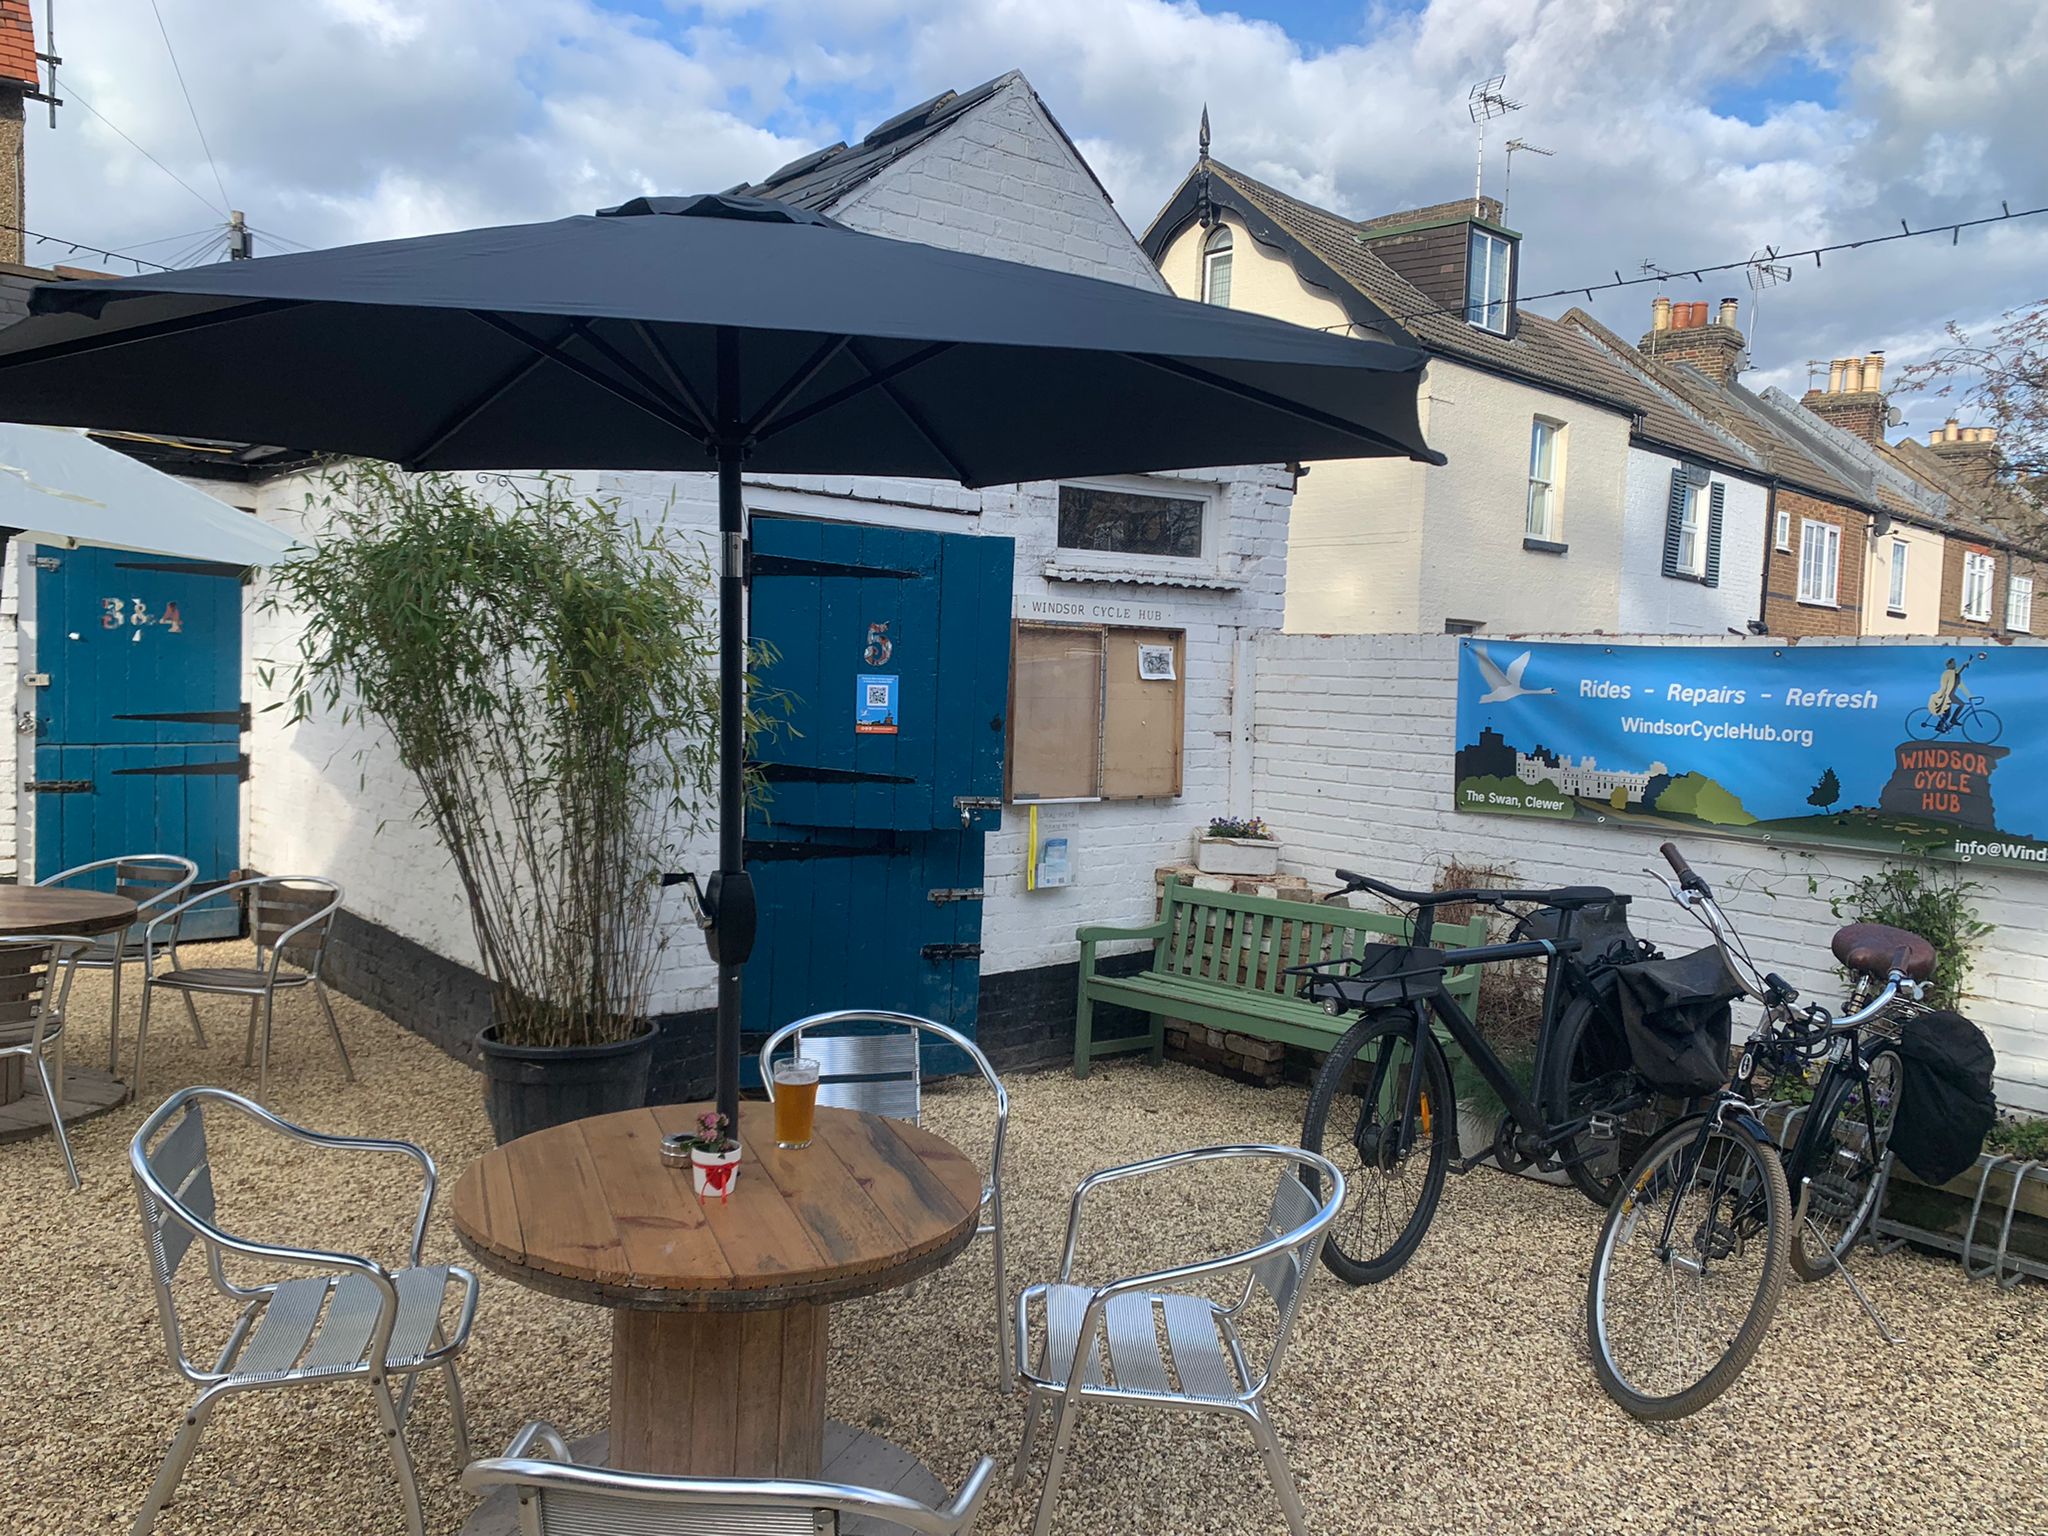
pixel 1929 749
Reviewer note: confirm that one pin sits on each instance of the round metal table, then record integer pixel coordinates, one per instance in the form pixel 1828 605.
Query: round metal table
pixel 719 1308
pixel 27 911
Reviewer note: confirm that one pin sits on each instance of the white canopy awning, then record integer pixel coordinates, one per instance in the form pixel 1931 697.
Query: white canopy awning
pixel 59 486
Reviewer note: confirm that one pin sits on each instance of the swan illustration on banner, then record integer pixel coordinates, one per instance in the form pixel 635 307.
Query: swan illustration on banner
pixel 1504 685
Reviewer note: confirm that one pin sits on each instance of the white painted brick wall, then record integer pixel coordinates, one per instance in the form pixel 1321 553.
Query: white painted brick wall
pixel 1352 763
pixel 1004 182
pixel 1651 601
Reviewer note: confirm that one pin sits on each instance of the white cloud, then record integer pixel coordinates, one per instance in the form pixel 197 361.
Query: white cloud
pixel 337 120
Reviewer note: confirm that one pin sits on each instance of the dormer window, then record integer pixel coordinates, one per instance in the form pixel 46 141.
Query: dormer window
pixel 1487 259
pixel 1216 267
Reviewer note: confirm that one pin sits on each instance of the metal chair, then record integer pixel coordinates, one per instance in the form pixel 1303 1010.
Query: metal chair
pixel 881 1074
pixel 150 880
pixel 35 985
pixel 358 1321
pixel 285 912
pixel 1202 1365
pixel 559 1498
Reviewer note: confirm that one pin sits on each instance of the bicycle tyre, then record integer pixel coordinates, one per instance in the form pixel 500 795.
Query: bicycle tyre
pixel 1921 726
pixel 1588 1066
pixel 1982 726
pixel 1761 1161
pixel 1850 1189
pixel 1370 1259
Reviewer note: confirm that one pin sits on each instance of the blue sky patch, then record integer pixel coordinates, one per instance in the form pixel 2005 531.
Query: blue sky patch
pixel 1788 78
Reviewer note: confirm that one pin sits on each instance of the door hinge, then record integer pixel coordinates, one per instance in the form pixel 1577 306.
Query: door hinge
pixel 951 951
pixel 946 893
pixel 46 562
pixel 58 786
pixel 37 680
pixel 967 805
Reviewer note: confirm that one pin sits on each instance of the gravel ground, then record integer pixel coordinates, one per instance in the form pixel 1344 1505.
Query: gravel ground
pixel 1456 1397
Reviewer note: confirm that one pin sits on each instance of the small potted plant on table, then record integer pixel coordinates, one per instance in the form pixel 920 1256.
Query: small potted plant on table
pixel 714 1154
pixel 1237 846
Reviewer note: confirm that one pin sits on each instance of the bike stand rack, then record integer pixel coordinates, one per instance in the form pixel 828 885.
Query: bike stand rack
pixel 2006 1267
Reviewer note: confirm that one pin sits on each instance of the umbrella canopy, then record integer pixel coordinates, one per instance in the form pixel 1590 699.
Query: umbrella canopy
pixel 688 333
pixel 62 487
pixel 591 342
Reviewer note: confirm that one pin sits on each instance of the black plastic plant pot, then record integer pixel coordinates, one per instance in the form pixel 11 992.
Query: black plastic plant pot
pixel 529 1088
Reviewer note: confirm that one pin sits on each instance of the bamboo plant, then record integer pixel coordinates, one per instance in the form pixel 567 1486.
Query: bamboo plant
pixel 546 666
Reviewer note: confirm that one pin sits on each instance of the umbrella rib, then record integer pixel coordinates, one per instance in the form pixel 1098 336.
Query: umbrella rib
pixel 583 370
pixel 791 386
pixel 1274 402
pixel 475 408
pixel 910 414
pixel 675 378
pixel 80 346
pixel 874 380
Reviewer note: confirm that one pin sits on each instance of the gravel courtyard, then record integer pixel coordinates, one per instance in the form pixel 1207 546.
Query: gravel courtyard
pixel 1454 1398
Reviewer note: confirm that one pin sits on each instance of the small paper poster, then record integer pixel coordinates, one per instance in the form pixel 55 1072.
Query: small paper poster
pixel 874 705
pixel 1155 663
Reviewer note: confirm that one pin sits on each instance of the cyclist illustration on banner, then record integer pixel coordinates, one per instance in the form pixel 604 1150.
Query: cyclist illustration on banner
pixel 1950 709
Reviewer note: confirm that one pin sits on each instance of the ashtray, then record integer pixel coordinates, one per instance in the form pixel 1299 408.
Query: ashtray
pixel 675 1151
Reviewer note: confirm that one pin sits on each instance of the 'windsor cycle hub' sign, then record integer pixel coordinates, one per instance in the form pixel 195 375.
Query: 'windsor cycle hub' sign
pixel 1930 749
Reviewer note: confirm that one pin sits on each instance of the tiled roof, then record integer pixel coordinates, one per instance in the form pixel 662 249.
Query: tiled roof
pixel 1991 509
pixel 18 44
pixel 821 178
pixel 1664 418
pixel 1542 352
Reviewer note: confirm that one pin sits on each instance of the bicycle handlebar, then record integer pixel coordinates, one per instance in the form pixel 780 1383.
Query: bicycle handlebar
pixel 1357 882
pixel 1688 878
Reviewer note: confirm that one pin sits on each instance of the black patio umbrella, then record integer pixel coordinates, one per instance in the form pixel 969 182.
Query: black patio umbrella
pixel 697 333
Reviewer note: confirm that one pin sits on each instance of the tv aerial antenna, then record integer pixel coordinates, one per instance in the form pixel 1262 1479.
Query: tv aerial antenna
pixel 1764 270
pixel 1507 180
pixel 1483 103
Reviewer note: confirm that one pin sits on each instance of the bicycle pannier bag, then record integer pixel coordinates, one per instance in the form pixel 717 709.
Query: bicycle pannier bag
pixel 1945 1105
pixel 1602 933
pixel 1675 1014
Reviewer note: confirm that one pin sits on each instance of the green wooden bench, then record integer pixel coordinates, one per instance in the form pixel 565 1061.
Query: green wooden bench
pixel 1220 960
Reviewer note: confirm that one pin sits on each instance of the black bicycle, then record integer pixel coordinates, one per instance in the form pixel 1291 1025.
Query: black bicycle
pixel 1382 1106
pixel 1691 1260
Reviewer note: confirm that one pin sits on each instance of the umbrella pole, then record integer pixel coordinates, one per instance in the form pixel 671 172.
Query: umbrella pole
pixel 731 895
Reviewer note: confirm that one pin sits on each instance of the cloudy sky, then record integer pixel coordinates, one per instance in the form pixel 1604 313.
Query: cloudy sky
pixel 1684 132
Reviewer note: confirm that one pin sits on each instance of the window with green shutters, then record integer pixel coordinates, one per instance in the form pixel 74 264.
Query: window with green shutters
pixel 1692 526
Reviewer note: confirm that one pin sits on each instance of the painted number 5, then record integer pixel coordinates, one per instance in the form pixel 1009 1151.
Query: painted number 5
pixel 879 648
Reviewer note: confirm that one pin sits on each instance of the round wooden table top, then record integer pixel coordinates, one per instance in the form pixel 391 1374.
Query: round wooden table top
pixel 589 1211
pixel 37 909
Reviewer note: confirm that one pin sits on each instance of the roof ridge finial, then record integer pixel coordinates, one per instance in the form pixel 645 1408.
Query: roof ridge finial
pixel 1205 215
pixel 1202 139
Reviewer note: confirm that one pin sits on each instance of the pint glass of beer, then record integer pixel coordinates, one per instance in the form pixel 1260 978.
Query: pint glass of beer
pixel 796 1101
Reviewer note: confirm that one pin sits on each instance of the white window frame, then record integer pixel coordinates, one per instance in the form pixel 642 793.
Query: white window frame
pixel 1895 595
pixel 1783 541
pixel 1692 531
pixel 1546 490
pixel 1820 559
pixel 1980 575
pixel 1208 493
pixel 2019 603
pixel 1488 312
pixel 1217 248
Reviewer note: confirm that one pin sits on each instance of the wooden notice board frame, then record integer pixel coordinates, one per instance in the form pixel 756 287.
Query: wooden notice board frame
pixel 1086 725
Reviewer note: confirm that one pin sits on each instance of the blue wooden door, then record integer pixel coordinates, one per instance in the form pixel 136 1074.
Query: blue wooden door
pixel 138 729
pixel 891 650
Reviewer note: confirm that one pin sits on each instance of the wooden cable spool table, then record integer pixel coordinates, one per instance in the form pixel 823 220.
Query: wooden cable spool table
pixel 28 911
pixel 719 1308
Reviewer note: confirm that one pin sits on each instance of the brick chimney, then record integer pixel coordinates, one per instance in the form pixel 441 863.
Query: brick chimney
pixel 1683 333
pixel 18 76
pixel 1854 397
pixel 1973 450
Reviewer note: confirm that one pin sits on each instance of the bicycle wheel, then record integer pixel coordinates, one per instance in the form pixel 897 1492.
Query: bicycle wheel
pixel 1844 1163
pixel 1981 726
pixel 1394 1174
pixel 1922 726
pixel 1672 1327
pixel 1589 1069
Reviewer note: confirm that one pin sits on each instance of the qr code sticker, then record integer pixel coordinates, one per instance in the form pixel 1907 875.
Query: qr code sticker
pixel 878 695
